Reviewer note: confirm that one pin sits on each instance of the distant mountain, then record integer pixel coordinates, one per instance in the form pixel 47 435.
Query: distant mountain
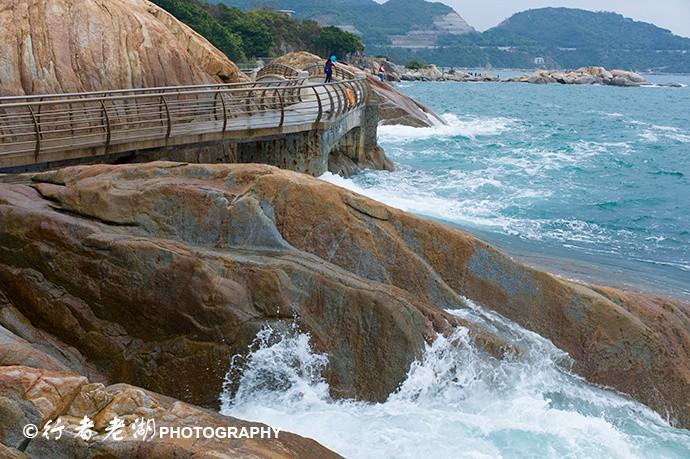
pixel 562 37
pixel 580 29
pixel 434 32
pixel 406 23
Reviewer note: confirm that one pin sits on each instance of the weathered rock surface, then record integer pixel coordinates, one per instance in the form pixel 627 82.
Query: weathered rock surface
pixel 394 106
pixel 371 65
pixel 397 108
pixel 38 396
pixel 584 75
pixel 55 46
pixel 157 273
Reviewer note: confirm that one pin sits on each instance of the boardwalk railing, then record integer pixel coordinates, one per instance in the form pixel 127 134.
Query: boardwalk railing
pixel 278 70
pixel 339 72
pixel 31 126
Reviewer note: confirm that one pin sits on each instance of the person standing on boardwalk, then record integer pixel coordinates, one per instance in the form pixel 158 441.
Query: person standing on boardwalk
pixel 328 68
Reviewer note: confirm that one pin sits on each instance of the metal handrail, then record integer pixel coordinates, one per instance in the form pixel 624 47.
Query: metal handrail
pixel 278 69
pixel 33 125
pixel 126 91
pixel 339 72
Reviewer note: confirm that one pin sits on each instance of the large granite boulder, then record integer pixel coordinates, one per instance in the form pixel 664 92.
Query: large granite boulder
pixel 372 64
pixel 630 76
pixel 596 72
pixel 540 77
pixel 58 401
pixel 57 46
pixel 429 73
pixel 397 108
pixel 157 273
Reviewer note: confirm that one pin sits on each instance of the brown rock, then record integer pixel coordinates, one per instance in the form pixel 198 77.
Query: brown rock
pixel 180 264
pixel 69 398
pixel 72 45
pixel 49 392
pixel 166 270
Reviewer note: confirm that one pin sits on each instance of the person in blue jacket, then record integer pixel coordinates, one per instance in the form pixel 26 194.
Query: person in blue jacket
pixel 328 68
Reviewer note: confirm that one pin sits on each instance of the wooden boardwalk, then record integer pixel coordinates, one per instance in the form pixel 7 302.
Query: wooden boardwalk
pixel 53 128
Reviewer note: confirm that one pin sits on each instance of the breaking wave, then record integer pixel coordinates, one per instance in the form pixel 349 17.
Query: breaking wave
pixel 456 401
pixel 455 127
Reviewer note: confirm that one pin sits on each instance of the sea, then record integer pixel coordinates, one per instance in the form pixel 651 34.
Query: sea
pixel 591 183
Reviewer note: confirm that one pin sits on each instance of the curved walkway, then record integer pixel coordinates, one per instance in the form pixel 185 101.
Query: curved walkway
pixel 47 128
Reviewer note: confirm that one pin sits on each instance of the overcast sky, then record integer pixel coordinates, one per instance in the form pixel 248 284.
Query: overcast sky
pixel 669 14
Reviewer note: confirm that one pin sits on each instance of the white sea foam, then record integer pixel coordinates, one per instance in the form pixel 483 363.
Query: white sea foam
pixel 655 132
pixel 431 196
pixel 418 193
pixel 454 127
pixel 456 401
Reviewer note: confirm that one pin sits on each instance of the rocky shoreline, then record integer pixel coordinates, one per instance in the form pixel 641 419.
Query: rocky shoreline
pixel 583 76
pixel 153 274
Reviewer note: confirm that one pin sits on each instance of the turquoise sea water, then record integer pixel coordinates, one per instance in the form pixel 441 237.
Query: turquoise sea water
pixel 588 181
pixel 591 182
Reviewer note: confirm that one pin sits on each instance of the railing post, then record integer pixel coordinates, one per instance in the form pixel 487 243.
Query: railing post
pixel 348 90
pixel 330 99
pixel 250 96
pixel 37 131
pixel 318 99
pixel 335 111
pixel 365 91
pixel 282 107
pixel 167 114
pixel 225 113
pixel 108 132
pixel 343 103
pixel 219 95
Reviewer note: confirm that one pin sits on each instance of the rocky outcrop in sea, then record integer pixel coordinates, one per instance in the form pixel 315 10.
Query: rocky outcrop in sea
pixel 584 76
pixel 581 76
pixel 155 275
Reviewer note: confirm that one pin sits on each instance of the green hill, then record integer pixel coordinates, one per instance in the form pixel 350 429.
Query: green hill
pixel 433 32
pixel 564 37
pixel 376 23
pixel 258 33
pixel 573 28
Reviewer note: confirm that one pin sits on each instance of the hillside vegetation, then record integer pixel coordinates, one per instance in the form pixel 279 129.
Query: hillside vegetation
pixel 242 35
pixel 376 22
pixel 564 37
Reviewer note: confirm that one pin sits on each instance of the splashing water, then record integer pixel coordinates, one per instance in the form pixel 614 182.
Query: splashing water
pixel 280 365
pixel 457 401
pixel 470 128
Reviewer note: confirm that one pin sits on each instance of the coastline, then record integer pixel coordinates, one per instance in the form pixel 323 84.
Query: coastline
pixel 586 268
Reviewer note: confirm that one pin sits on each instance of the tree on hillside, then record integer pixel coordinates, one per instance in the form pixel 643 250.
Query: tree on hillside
pixel 338 41
pixel 257 38
pixel 258 33
pixel 194 13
